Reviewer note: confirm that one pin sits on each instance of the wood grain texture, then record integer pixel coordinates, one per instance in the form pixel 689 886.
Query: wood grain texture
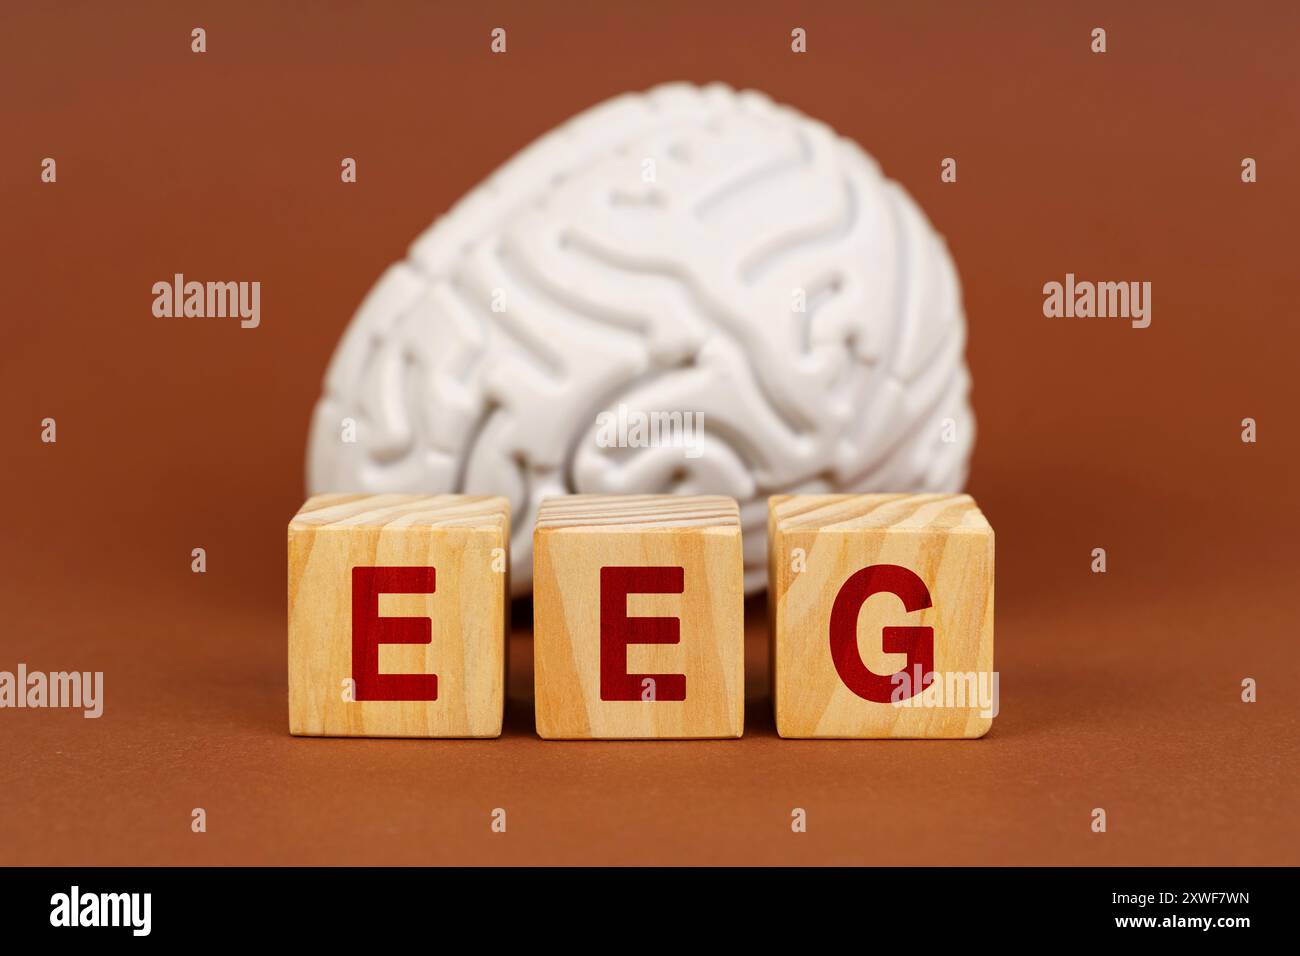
pixel 466 540
pixel 578 536
pixel 816 543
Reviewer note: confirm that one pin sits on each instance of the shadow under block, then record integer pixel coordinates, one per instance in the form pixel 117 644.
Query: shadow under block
pixel 397 615
pixel 864 588
pixel 638 617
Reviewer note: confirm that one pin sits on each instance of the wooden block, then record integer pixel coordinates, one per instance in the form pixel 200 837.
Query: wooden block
pixel 638 611
pixel 397 615
pixel 868 594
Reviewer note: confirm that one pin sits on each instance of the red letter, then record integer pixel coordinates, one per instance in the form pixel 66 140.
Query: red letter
pixel 617 631
pixel 916 642
pixel 369 630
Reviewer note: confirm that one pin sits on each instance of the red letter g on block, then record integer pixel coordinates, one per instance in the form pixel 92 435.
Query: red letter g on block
pixel 369 630
pixel 617 631
pixel 916 642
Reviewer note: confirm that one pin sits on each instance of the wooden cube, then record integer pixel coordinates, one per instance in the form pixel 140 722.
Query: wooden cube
pixel 638 611
pixel 869 594
pixel 397 615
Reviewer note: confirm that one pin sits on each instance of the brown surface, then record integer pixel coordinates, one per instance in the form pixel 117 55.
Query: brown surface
pixel 1119 691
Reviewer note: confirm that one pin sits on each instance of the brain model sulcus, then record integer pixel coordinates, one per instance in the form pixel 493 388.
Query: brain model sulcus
pixel 688 290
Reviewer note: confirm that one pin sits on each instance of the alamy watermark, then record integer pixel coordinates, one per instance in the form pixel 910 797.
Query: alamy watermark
pixel 632 428
pixel 208 300
pixel 58 689
pixel 963 689
pixel 1084 299
pixel 130 910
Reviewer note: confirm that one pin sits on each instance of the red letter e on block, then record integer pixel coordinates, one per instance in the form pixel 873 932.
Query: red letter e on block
pixel 369 630
pixel 916 642
pixel 617 631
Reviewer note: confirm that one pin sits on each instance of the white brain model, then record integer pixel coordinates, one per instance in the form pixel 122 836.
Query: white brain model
pixel 691 250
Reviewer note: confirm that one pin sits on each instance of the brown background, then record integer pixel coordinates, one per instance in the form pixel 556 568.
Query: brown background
pixel 1119 690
